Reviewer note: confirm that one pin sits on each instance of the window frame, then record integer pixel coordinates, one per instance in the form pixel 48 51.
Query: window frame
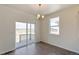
pixel 54 26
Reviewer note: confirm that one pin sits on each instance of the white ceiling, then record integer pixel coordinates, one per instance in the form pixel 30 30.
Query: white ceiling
pixel 34 9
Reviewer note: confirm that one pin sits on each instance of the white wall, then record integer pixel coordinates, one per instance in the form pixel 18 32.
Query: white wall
pixel 8 18
pixel 69 29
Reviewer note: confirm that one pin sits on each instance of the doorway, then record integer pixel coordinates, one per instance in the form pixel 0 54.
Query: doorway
pixel 25 34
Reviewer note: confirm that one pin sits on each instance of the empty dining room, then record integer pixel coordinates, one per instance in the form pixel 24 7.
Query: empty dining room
pixel 39 29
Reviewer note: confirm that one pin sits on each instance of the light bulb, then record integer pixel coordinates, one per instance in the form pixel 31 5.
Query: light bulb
pixel 42 17
pixel 38 16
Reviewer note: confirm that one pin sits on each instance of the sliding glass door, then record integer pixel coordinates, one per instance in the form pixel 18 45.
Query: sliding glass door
pixel 31 33
pixel 25 34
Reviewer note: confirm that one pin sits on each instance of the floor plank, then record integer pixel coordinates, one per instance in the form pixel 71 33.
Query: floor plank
pixel 41 49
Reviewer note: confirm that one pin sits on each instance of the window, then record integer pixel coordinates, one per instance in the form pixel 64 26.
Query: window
pixel 54 25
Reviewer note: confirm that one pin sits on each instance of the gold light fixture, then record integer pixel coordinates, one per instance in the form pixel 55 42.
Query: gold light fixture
pixel 39 16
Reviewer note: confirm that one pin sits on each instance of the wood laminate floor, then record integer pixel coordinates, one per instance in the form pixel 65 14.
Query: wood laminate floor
pixel 41 49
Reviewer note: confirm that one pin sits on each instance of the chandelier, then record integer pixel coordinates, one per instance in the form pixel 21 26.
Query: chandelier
pixel 40 16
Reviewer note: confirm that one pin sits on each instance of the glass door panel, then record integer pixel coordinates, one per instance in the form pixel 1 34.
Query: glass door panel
pixel 32 32
pixel 20 34
pixel 29 33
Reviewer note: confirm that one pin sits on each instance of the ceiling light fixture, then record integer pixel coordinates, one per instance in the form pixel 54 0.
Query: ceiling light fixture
pixel 39 4
pixel 39 16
